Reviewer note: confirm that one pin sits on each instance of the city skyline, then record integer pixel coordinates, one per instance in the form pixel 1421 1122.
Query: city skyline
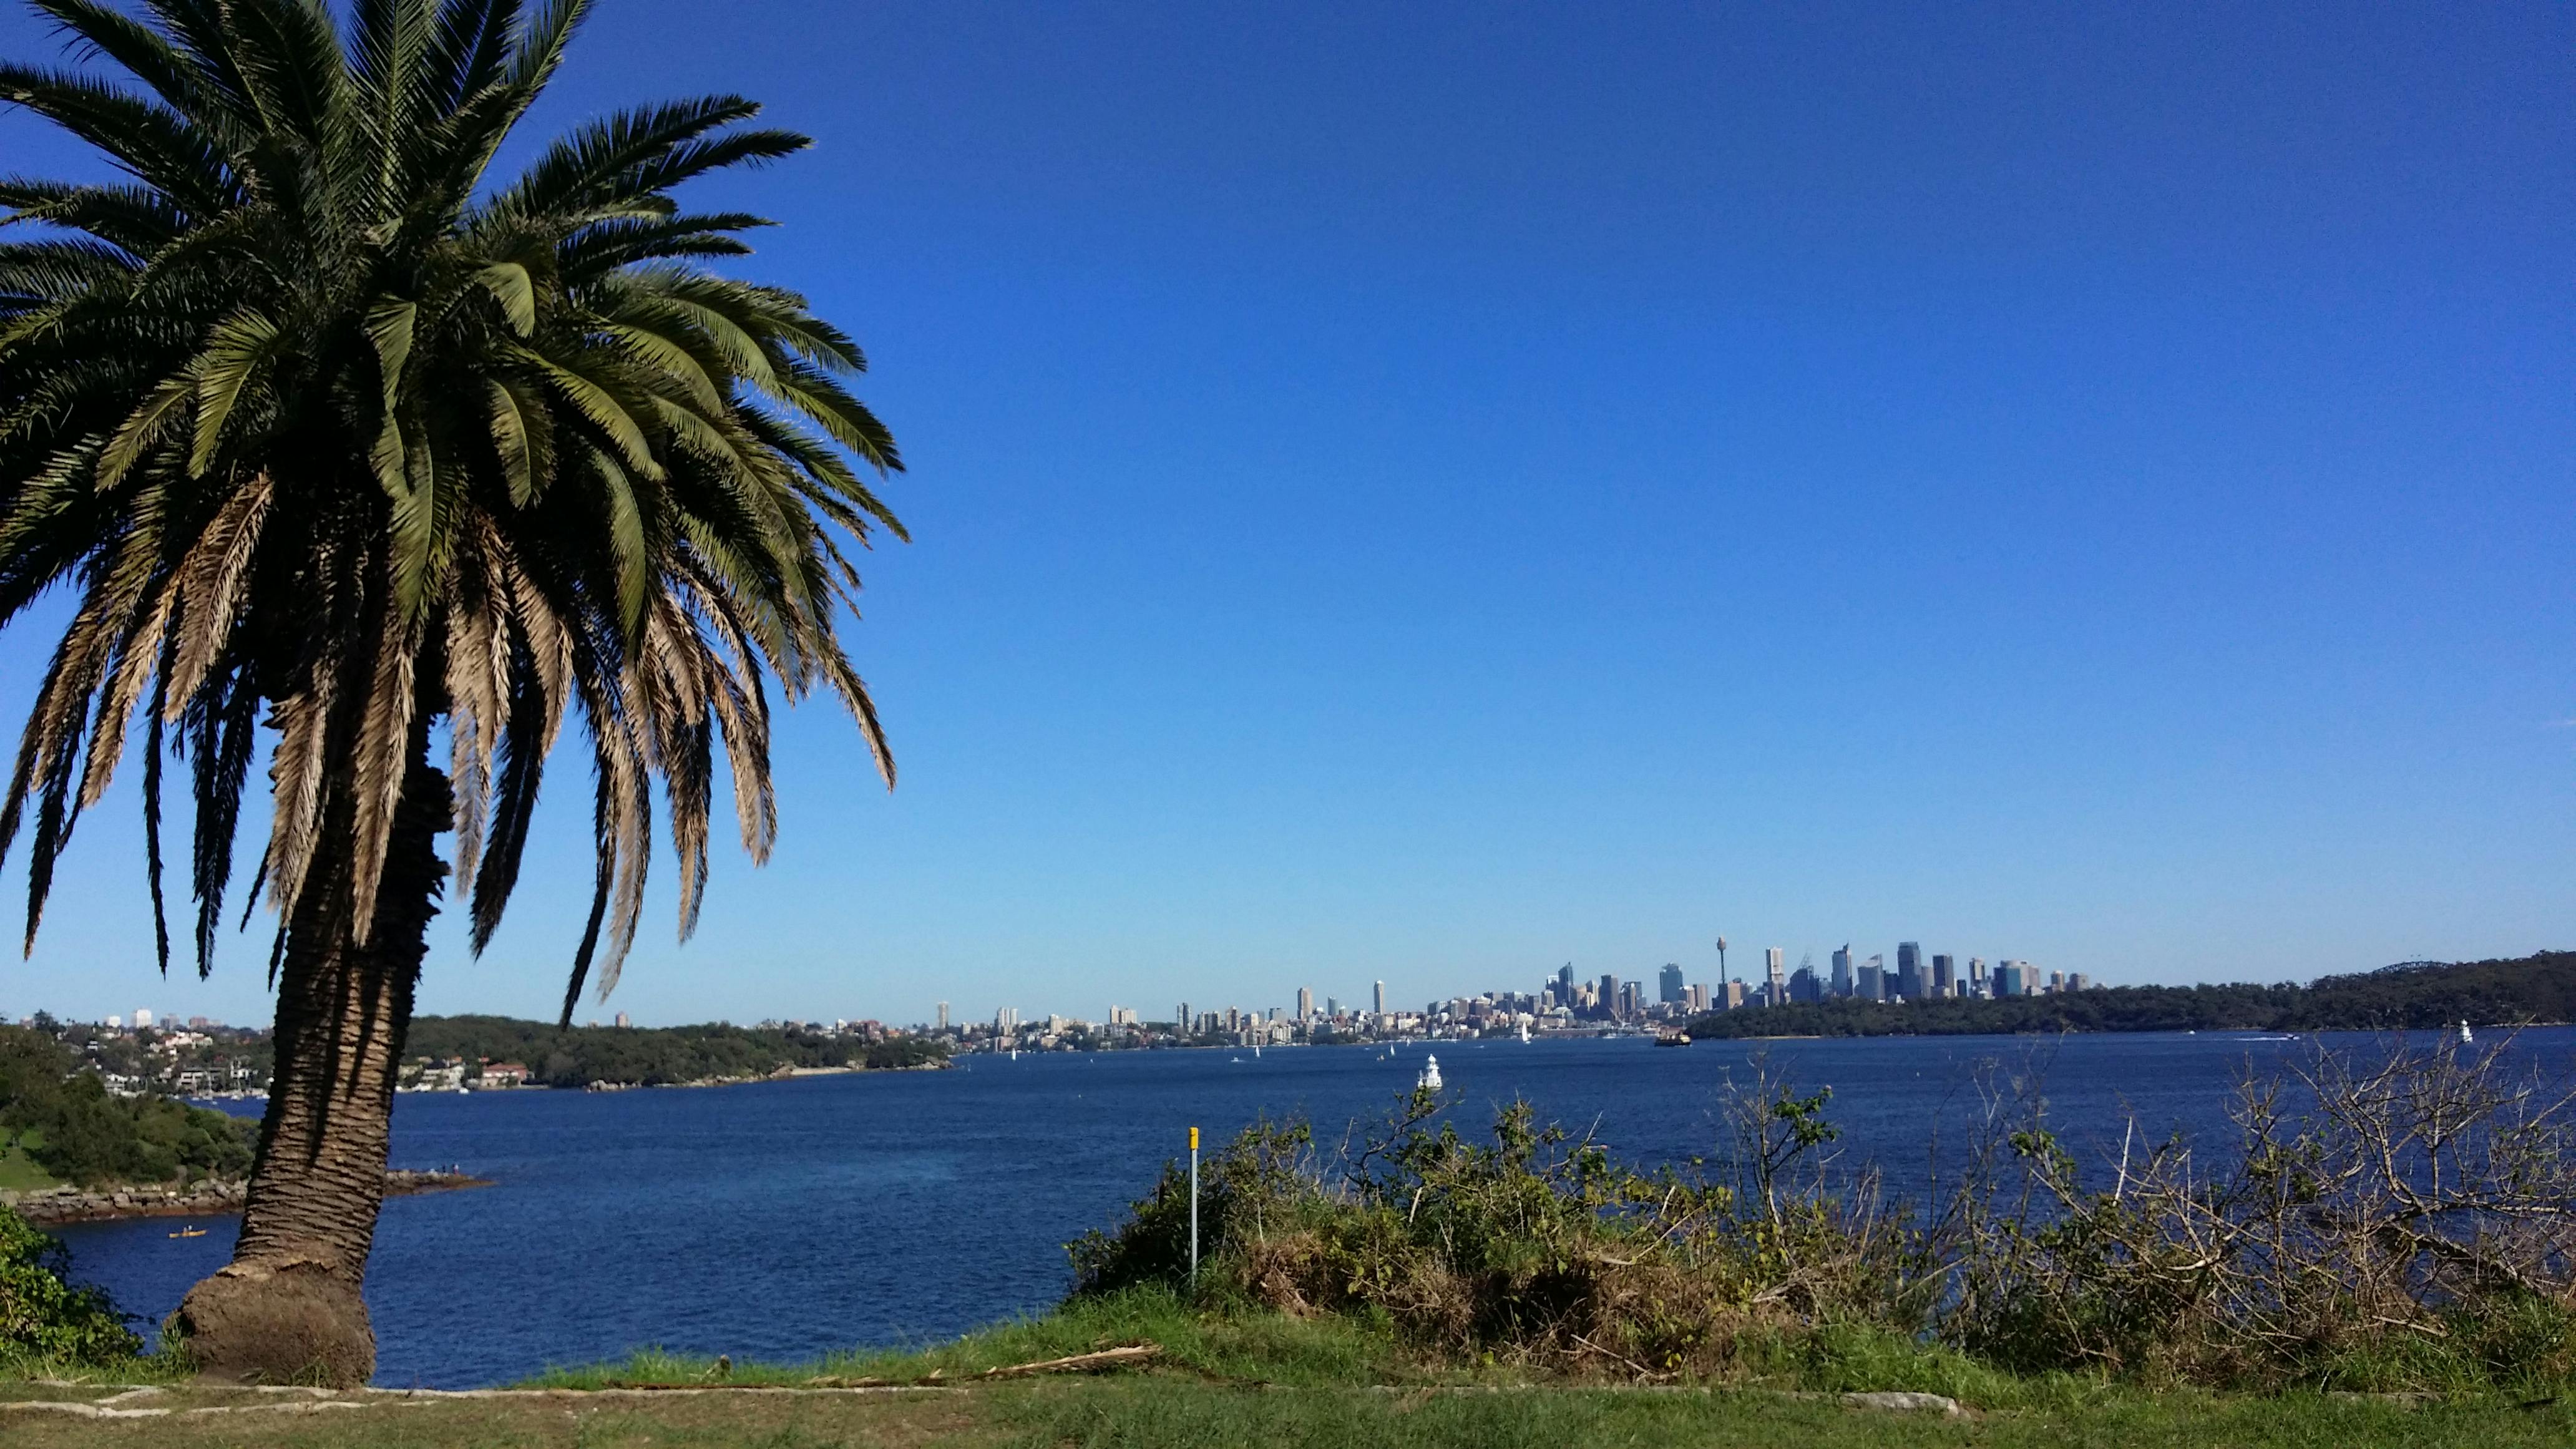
pixel 1311 995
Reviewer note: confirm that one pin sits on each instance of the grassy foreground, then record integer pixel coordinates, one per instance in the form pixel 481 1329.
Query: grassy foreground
pixel 1245 1379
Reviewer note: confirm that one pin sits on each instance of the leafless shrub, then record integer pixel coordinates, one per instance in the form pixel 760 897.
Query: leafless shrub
pixel 2398 1210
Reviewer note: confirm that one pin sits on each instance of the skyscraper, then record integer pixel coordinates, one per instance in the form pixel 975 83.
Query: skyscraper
pixel 1565 982
pixel 1909 970
pixel 1944 983
pixel 1305 1003
pixel 1977 984
pixel 1669 987
pixel 1381 998
pixel 1870 981
pixel 943 1016
pixel 1775 976
pixel 1843 985
pixel 1609 996
pixel 1181 1018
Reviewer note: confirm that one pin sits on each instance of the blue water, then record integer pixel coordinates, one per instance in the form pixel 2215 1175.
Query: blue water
pixel 782 1220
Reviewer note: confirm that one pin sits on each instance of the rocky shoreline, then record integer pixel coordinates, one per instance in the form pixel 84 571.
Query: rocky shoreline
pixel 55 1205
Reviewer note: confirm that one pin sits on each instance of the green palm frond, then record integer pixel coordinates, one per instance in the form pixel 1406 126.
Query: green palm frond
pixel 329 436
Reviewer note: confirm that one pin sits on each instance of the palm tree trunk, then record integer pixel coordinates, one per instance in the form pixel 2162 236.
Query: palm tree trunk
pixel 289 1307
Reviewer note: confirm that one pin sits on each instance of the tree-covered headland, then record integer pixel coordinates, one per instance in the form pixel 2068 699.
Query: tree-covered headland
pixel 626 1056
pixel 61 1121
pixel 2415 995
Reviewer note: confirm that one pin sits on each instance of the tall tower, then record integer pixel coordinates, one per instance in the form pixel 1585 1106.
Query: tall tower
pixel 1381 998
pixel 1775 972
pixel 943 1016
pixel 1909 970
pixel 1305 1003
pixel 1668 984
pixel 1842 970
pixel 1945 981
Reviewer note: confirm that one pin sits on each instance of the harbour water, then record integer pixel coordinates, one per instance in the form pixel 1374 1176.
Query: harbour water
pixel 781 1220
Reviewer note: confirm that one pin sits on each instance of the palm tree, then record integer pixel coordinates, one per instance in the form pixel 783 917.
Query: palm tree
pixel 332 443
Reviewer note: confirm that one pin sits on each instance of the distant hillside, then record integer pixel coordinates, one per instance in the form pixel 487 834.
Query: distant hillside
pixel 653 1056
pixel 2539 988
pixel 58 1122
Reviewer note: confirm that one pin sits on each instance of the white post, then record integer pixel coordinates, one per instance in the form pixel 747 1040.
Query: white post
pixel 1194 1206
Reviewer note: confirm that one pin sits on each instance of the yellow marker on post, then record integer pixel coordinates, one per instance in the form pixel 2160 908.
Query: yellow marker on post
pixel 1194 1207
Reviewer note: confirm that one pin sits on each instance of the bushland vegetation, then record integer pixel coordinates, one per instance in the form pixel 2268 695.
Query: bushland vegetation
pixel 65 1121
pixel 2413 996
pixel 655 1056
pixel 2393 1218
pixel 42 1316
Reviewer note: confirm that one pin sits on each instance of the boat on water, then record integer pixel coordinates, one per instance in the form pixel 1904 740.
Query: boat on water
pixel 191 1231
pixel 2464 1033
pixel 1524 1034
pixel 1672 1038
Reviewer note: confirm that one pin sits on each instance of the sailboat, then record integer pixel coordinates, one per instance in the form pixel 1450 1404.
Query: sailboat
pixel 1525 1033
pixel 2464 1033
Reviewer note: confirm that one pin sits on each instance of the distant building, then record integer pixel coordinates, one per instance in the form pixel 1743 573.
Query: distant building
pixel 1005 1021
pixel 505 1074
pixel 2012 978
pixel 1333 1007
pixel 1699 997
pixel 1381 998
pixel 1669 987
pixel 1181 1018
pixel 142 1020
pixel 1732 997
pixel 1805 986
pixel 1775 976
pixel 943 1016
pixel 1944 982
pixel 1305 1003
pixel 1977 977
pixel 1909 971
pixel 1869 983
pixel 624 1021
pixel 1844 984
pixel 116 1023
pixel 2079 982
pixel 2056 982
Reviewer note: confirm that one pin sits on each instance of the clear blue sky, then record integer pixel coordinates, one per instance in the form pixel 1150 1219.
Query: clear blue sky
pixel 1431 492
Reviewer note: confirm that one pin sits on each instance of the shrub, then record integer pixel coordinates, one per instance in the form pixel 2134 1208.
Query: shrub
pixel 1535 1248
pixel 44 1317
pixel 2412 1225
pixel 2405 1218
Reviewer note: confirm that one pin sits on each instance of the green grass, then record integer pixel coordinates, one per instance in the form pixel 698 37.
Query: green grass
pixel 1259 1348
pixel 1252 1380
pixel 18 1171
